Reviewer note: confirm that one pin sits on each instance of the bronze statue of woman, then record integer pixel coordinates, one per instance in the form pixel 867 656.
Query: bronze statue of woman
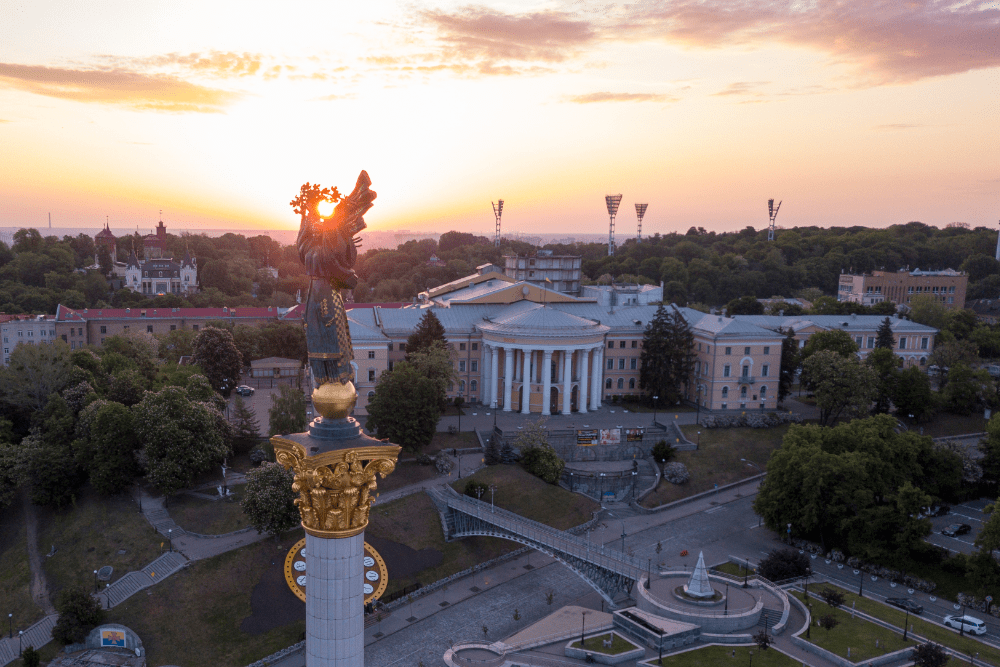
pixel 328 248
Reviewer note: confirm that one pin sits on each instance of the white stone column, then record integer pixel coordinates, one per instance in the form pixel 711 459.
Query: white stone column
pixel 335 603
pixel 596 382
pixel 546 381
pixel 508 372
pixel 526 383
pixel 494 376
pixel 584 377
pixel 484 378
pixel 567 381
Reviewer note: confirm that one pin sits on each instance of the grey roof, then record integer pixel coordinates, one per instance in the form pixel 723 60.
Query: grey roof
pixel 361 322
pixel 529 318
pixel 845 322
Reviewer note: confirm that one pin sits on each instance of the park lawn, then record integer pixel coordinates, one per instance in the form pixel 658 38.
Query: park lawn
pixel 406 473
pixel 855 633
pixel 88 535
pixel 733 569
pixel 47 653
pixel 522 493
pixel 414 521
pixel 15 572
pixel 209 517
pixel 443 440
pixel 618 644
pixel 930 631
pixel 193 618
pixel 717 459
pixel 714 656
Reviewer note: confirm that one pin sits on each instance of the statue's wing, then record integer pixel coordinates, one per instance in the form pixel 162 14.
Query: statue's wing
pixel 355 205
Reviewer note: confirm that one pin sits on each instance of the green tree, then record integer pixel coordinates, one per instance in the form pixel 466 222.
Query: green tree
pixel 990 448
pixel 53 470
pixel 246 428
pixel 966 390
pixel 843 385
pixel 35 372
pixel 429 331
pixel 268 500
pixel 127 386
pixel 912 395
pixel 745 305
pixel 287 413
pixel 928 310
pixel 834 340
pixel 30 657
pixel 283 340
pixel 435 362
pixel 666 361
pixel 216 353
pixel 176 344
pixel 948 354
pixel 789 363
pixel 782 564
pixel 929 655
pixel 406 406
pixel 79 613
pixel 882 363
pixel 249 342
pixel 13 468
pixel 181 438
pixel 139 347
pixel 104 260
pixel 115 465
pixel 883 336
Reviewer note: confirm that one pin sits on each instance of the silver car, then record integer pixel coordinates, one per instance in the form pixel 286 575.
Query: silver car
pixel 967 623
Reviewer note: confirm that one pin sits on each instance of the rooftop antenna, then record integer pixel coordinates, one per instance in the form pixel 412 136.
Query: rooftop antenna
pixel 640 211
pixel 50 221
pixel 772 213
pixel 612 201
pixel 497 212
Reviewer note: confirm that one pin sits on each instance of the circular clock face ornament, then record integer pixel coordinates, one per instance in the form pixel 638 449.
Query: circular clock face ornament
pixel 376 576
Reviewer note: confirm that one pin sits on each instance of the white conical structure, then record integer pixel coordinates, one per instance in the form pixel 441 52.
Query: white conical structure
pixel 699 586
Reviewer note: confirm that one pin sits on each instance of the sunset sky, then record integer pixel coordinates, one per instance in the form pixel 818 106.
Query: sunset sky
pixel 851 112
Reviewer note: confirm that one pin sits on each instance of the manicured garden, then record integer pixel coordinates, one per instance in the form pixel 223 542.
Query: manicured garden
pixel 853 637
pixel 714 656
pixel 596 644
pixel 209 517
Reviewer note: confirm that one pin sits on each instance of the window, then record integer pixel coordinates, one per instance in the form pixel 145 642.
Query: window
pixel 611 344
pixel 746 350
pixel 767 350
pixel 909 290
pixel 725 371
pixel 611 364
pixel 20 334
pixel 475 346
pixel 371 354
pixel 633 363
pixel 621 363
pixel 923 360
pixel 763 393
pixel 473 385
pixel 390 347
pixel 951 290
pixel 699 347
pixel 451 386
pixel 729 351
pixel 461 346
pixel 746 370
pixel 461 366
pixel 474 366
pixel 621 383
pixel 32 333
pixel 371 374
pixel 390 365
pixel 723 406
pixel 902 342
pixel 764 370
pixel 635 344
pixel 125 328
pixel 173 327
pixel 870 342
pixel 951 299
pixel 923 343
pixel 461 387
pixel 371 394
pixel 725 392
pixel 104 330
pixel 607 383
pixel 149 328
pixel 857 341
pixel 621 344
pixel 743 393
pixel 194 327
pixel 631 383
pixel 402 347
pixel 697 367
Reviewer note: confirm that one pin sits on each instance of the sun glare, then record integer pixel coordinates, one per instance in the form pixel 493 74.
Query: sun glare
pixel 325 208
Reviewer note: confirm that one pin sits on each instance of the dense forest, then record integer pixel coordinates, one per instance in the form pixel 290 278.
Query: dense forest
pixel 697 267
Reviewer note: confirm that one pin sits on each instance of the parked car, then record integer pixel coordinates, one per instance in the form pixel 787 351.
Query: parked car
pixel 244 390
pixel 905 603
pixel 933 510
pixel 969 623
pixel 956 529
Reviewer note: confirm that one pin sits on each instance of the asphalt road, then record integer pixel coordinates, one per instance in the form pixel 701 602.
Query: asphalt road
pixel 970 513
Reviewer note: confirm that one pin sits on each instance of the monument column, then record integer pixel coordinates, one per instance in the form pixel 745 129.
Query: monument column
pixel 567 381
pixel 546 382
pixel 526 382
pixel 508 372
pixel 584 393
pixel 494 375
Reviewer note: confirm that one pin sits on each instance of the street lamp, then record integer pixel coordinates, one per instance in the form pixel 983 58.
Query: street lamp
pixel 698 443
pixel 746 572
pixel 170 536
pixel 789 534
pixel 861 586
pixel 583 624
pixel 492 489
pixel 655 400
pixel 751 658
pixel 10 626
pixel 95 581
pixel 697 415
pixel 634 480
pixel 906 623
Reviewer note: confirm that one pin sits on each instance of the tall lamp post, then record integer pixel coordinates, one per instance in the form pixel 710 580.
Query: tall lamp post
pixel 95 581
pixel 493 488
pixel 10 626
pixel 583 625
pixel 656 400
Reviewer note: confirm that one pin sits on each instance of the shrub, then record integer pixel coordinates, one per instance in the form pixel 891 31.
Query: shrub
pixel 424 459
pixel 828 622
pixel 783 564
pixel 676 472
pixel 543 462
pixel 662 452
pixel 78 615
pixel 762 639
pixel 832 597
pixel 475 489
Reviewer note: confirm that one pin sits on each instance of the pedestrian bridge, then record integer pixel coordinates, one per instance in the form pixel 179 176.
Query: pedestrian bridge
pixel 610 572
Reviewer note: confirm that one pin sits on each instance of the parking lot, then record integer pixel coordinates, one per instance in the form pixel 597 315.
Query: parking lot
pixel 971 513
pixel 260 403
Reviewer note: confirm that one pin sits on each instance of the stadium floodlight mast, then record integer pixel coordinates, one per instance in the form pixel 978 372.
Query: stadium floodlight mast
pixel 640 210
pixel 772 213
pixel 612 201
pixel 497 212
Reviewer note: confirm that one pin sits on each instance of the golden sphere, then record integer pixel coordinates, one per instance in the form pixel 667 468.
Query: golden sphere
pixel 334 400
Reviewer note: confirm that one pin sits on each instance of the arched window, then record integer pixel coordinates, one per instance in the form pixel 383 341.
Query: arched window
pixel 631 383
pixel 607 383
pixel 923 360
pixel 621 383
pixel 473 385
pixel 697 367
pixel 725 392
pixel 371 394
pixel 763 393
pixel 743 392
pixel 461 386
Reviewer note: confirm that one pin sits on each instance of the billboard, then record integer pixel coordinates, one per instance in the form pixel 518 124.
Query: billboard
pixel 634 434
pixel 587 437
pixel 611 436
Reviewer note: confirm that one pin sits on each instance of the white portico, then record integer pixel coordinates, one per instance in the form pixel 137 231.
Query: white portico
pixel 542 360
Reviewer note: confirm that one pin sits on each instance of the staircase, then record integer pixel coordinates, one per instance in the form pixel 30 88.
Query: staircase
pixel 768 618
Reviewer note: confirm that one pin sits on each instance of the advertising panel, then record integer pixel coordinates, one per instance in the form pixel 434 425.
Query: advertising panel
pixel 611 436
pixel 634 434
pixel 587 437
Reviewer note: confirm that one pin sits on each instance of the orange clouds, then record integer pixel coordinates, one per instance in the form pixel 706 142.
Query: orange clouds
pixel 591 98
pixel 117 87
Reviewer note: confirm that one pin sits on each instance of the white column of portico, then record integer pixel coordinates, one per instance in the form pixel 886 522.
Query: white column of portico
pixel 484 377
pixel 526 383
pixel 595 382
pixel 581 402
pixel 508 371
pixel 546 381
pixel 567 380
pixel 494 375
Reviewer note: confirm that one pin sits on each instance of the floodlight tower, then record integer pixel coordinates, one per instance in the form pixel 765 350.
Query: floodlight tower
pixel 497 212
pixel 772 213
pixel 612 201
pixel 640 210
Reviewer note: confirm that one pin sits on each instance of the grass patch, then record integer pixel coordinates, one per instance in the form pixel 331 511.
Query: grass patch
pixel 855 633
pixel 949 584
pixel 713 656
pixel 733 569
pixel 89 533
pixel 522 493
pixel 49 652
pixel 193 619
pixel 405 474
pixel 618 644
pixel 415 522
pixel 944 424
pixel 717 459
pixel 209 517
pixel 935 633
pixel 444 440
pixel 15 573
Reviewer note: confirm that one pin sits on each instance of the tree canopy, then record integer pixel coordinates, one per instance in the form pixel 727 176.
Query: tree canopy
pixel 406 406
pixel 667 359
